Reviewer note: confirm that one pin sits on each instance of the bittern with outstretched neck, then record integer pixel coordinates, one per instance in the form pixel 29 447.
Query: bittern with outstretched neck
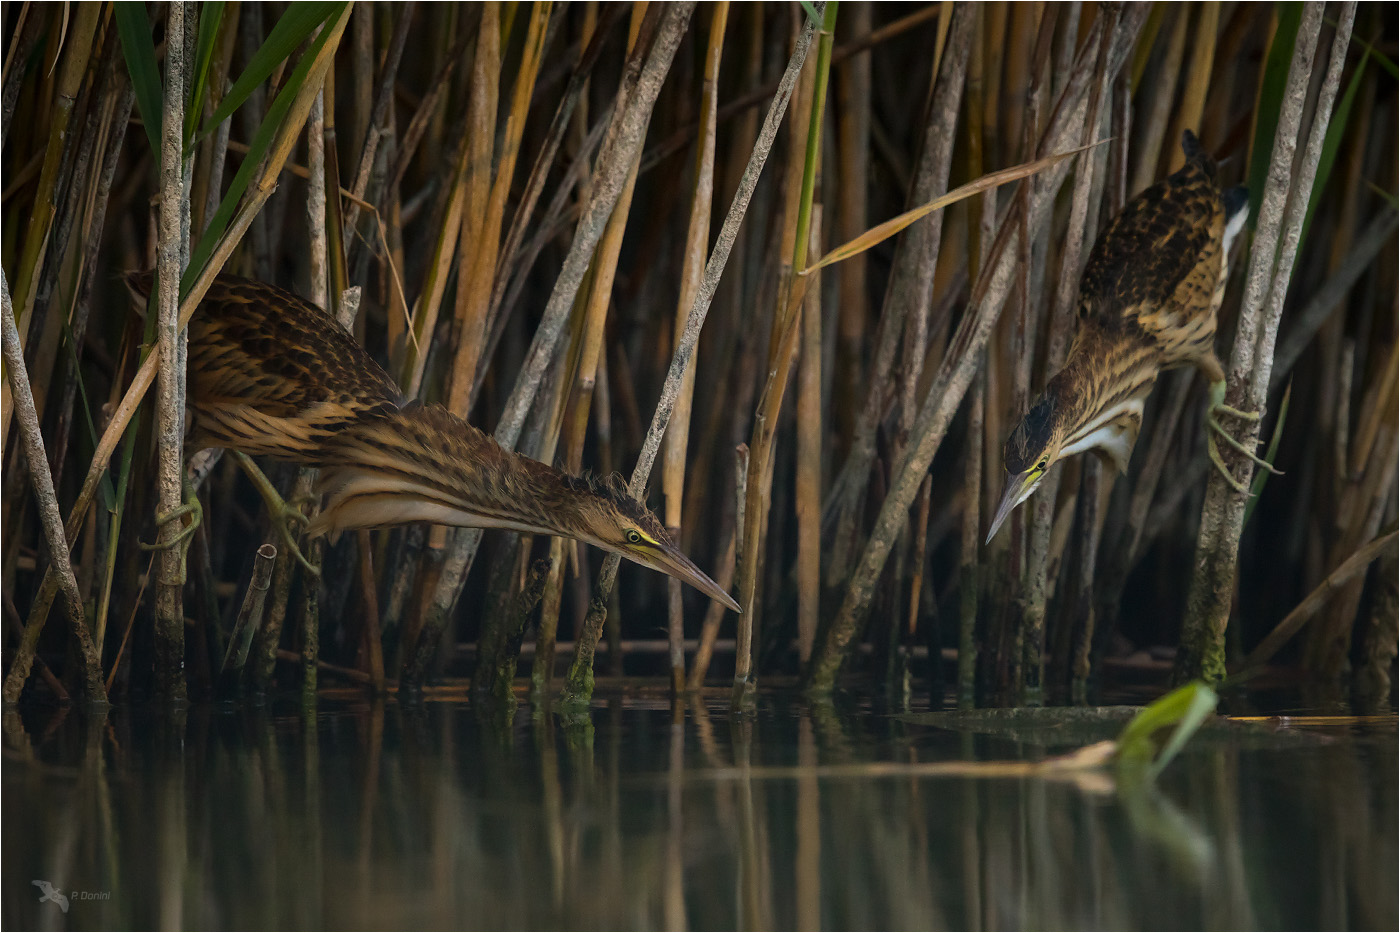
pixel 1148 301
pixel 271 374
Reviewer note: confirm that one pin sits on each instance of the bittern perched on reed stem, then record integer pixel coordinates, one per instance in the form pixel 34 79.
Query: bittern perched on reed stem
pixel 1147 302
pixel 270 374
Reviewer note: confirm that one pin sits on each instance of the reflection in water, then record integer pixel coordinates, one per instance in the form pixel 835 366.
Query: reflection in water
pixel 440 816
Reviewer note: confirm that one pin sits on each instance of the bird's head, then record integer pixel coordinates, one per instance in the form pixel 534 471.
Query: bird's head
pixel 1033 447
pixel 605 515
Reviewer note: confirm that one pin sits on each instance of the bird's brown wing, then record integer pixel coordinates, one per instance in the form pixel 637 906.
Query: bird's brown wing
pixel 271 374
pixel 1154 270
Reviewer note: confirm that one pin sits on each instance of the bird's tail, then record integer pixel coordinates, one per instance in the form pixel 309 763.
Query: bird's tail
pixel 1192 147
pixel 1236 213
pixel 139 286
pixel 1236 199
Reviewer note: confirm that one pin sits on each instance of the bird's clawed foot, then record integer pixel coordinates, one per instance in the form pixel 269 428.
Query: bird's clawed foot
pixel 284 515
pixel 1214 428
pixel 191 508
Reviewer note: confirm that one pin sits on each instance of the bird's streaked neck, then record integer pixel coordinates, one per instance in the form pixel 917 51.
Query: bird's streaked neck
pixel 1102 404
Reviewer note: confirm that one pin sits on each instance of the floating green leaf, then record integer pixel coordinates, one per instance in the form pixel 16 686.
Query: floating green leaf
pixel 1157 733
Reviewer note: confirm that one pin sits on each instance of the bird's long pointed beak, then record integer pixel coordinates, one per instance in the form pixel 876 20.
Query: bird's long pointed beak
pixel 672 562
pixel 1018 489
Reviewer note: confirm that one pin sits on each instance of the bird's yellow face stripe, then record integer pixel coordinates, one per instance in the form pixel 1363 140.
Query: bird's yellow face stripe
pixel 640 539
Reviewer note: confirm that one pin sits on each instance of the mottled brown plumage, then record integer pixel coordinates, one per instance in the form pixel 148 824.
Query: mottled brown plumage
pixel 271 374
pixel 1148 300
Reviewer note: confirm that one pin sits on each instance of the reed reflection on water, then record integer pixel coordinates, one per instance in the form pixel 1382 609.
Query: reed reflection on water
pixel 375 816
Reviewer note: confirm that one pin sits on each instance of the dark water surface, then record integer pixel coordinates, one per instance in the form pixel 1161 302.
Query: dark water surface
pixel 368 816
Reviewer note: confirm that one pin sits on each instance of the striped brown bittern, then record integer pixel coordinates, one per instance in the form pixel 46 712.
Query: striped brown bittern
pixel 271 374
pixel 1148 299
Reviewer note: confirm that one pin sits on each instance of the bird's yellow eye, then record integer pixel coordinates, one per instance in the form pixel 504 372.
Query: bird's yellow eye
pixel 1040 467
pixel 634 537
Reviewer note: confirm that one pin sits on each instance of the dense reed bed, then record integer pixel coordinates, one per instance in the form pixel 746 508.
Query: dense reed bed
pixel 595 230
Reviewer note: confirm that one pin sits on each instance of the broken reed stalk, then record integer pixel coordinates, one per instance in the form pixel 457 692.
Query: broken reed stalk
pixel 250 614
pixel 636 96
pixel 51 519
pixel 172 253
pixel 579 689
pixel 1281 214
pixel 955 373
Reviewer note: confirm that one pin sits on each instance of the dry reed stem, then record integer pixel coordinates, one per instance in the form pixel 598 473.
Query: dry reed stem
pixel 692 272
pixel 319 261
pixel 1251 363
pixel 77 53
pixel 36 246
pixel 808 481
pixel 480 233
pixel 1193 100
pixel 580 674
pixel 172 253
pixel 782 341
pixel 480 226
pixel 96 219
pixel 969 578
pixel 852 172
pixel 383 97
pixel 590 320
pixel 1331 645
pixel 1155 113
pixel 1308 320
pixel 51 519
pixel 679 139
pixel 910 287
pixel 487 274
pixel 714 615
pixel 534 187
pixel 636 96
pixel 1291 624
